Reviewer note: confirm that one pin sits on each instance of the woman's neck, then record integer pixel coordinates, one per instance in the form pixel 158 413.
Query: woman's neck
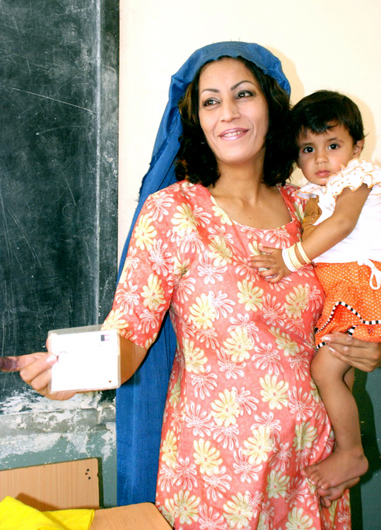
pixel 245 198
pixel 239 183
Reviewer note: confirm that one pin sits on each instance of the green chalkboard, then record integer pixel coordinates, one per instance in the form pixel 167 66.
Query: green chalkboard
pixel 58 169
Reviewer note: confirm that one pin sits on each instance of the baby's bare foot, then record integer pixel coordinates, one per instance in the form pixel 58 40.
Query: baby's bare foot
pixel 340 467
pixel 332 494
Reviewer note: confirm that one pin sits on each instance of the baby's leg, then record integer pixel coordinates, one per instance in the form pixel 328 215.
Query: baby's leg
pixel 348 461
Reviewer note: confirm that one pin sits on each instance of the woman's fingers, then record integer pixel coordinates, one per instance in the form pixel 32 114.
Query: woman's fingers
pixel 365 356
pixel 36 370
pixel 8 364
pixel 38 375
pixel 16 364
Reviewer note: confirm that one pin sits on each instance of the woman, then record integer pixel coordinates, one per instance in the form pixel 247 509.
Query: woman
pixel 242 416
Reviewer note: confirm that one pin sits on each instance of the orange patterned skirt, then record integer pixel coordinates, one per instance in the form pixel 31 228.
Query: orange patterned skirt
pixel 351 304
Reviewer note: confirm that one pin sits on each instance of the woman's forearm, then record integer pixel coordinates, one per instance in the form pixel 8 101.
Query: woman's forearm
pixel 131 357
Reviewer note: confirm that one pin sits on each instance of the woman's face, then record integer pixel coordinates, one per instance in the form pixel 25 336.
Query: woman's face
pixel 233 113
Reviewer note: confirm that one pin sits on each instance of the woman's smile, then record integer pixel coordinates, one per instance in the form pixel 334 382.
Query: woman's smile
pixel 233 134
pixel 233 113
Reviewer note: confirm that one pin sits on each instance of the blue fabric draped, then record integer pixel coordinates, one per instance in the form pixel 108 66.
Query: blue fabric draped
pixel 140 402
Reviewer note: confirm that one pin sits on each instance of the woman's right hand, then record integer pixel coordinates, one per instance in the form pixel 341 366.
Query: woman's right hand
pixel 35 370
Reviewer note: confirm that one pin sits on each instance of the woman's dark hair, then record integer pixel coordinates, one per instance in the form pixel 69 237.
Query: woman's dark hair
pixel 196 161
pixel 320 112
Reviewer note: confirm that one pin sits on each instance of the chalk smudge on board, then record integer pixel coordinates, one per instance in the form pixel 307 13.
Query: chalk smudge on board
pixel 31 424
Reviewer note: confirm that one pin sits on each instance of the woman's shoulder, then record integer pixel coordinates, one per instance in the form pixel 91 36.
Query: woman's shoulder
pixel 289 187
pixel 293 200
pixel 290 190
pixel 164 203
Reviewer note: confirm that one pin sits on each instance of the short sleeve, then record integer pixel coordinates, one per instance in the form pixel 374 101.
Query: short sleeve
pixel 354 175
pixel 145 288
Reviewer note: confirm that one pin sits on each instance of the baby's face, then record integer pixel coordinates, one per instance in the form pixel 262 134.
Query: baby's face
pixel 321 155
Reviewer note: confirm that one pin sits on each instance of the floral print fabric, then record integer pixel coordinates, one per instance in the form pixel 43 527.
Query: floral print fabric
pixel 242 415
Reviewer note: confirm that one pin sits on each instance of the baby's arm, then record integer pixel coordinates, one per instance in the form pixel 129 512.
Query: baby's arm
pixel 341 223
pixel 325 236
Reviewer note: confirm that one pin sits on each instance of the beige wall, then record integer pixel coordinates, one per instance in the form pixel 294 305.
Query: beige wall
pixel 322 44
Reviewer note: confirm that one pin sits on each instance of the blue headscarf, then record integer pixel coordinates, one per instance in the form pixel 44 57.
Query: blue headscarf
pixel 140 402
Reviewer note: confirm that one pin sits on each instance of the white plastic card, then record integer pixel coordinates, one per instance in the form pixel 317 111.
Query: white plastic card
pixel 88 359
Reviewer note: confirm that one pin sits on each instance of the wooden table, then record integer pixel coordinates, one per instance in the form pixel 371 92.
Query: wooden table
pixel 143 516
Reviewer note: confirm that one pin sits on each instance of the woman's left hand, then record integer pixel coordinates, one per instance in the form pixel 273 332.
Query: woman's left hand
pixel 269 264
pixel 365 356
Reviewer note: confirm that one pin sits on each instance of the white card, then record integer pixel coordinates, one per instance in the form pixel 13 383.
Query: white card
pixel 88 359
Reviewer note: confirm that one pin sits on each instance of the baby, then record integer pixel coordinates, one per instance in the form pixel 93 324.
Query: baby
pixel 341 235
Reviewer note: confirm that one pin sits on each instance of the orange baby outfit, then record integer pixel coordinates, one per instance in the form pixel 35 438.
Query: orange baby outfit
pixel 350 272
pixel 242 416
pixel 351 305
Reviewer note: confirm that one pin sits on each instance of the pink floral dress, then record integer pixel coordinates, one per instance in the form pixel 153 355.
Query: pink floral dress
pixel 242 415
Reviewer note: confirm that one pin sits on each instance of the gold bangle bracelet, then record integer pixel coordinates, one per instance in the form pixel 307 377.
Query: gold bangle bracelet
pixel 302 253
pixel 294 259
pixel 290 259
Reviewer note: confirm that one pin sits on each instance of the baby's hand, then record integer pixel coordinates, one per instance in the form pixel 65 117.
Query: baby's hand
pixel 270 264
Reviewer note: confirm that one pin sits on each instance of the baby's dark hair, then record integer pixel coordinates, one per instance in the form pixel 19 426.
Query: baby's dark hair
pixel 320 112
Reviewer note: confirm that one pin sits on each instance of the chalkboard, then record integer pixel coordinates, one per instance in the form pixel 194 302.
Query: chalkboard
pixel 58 169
